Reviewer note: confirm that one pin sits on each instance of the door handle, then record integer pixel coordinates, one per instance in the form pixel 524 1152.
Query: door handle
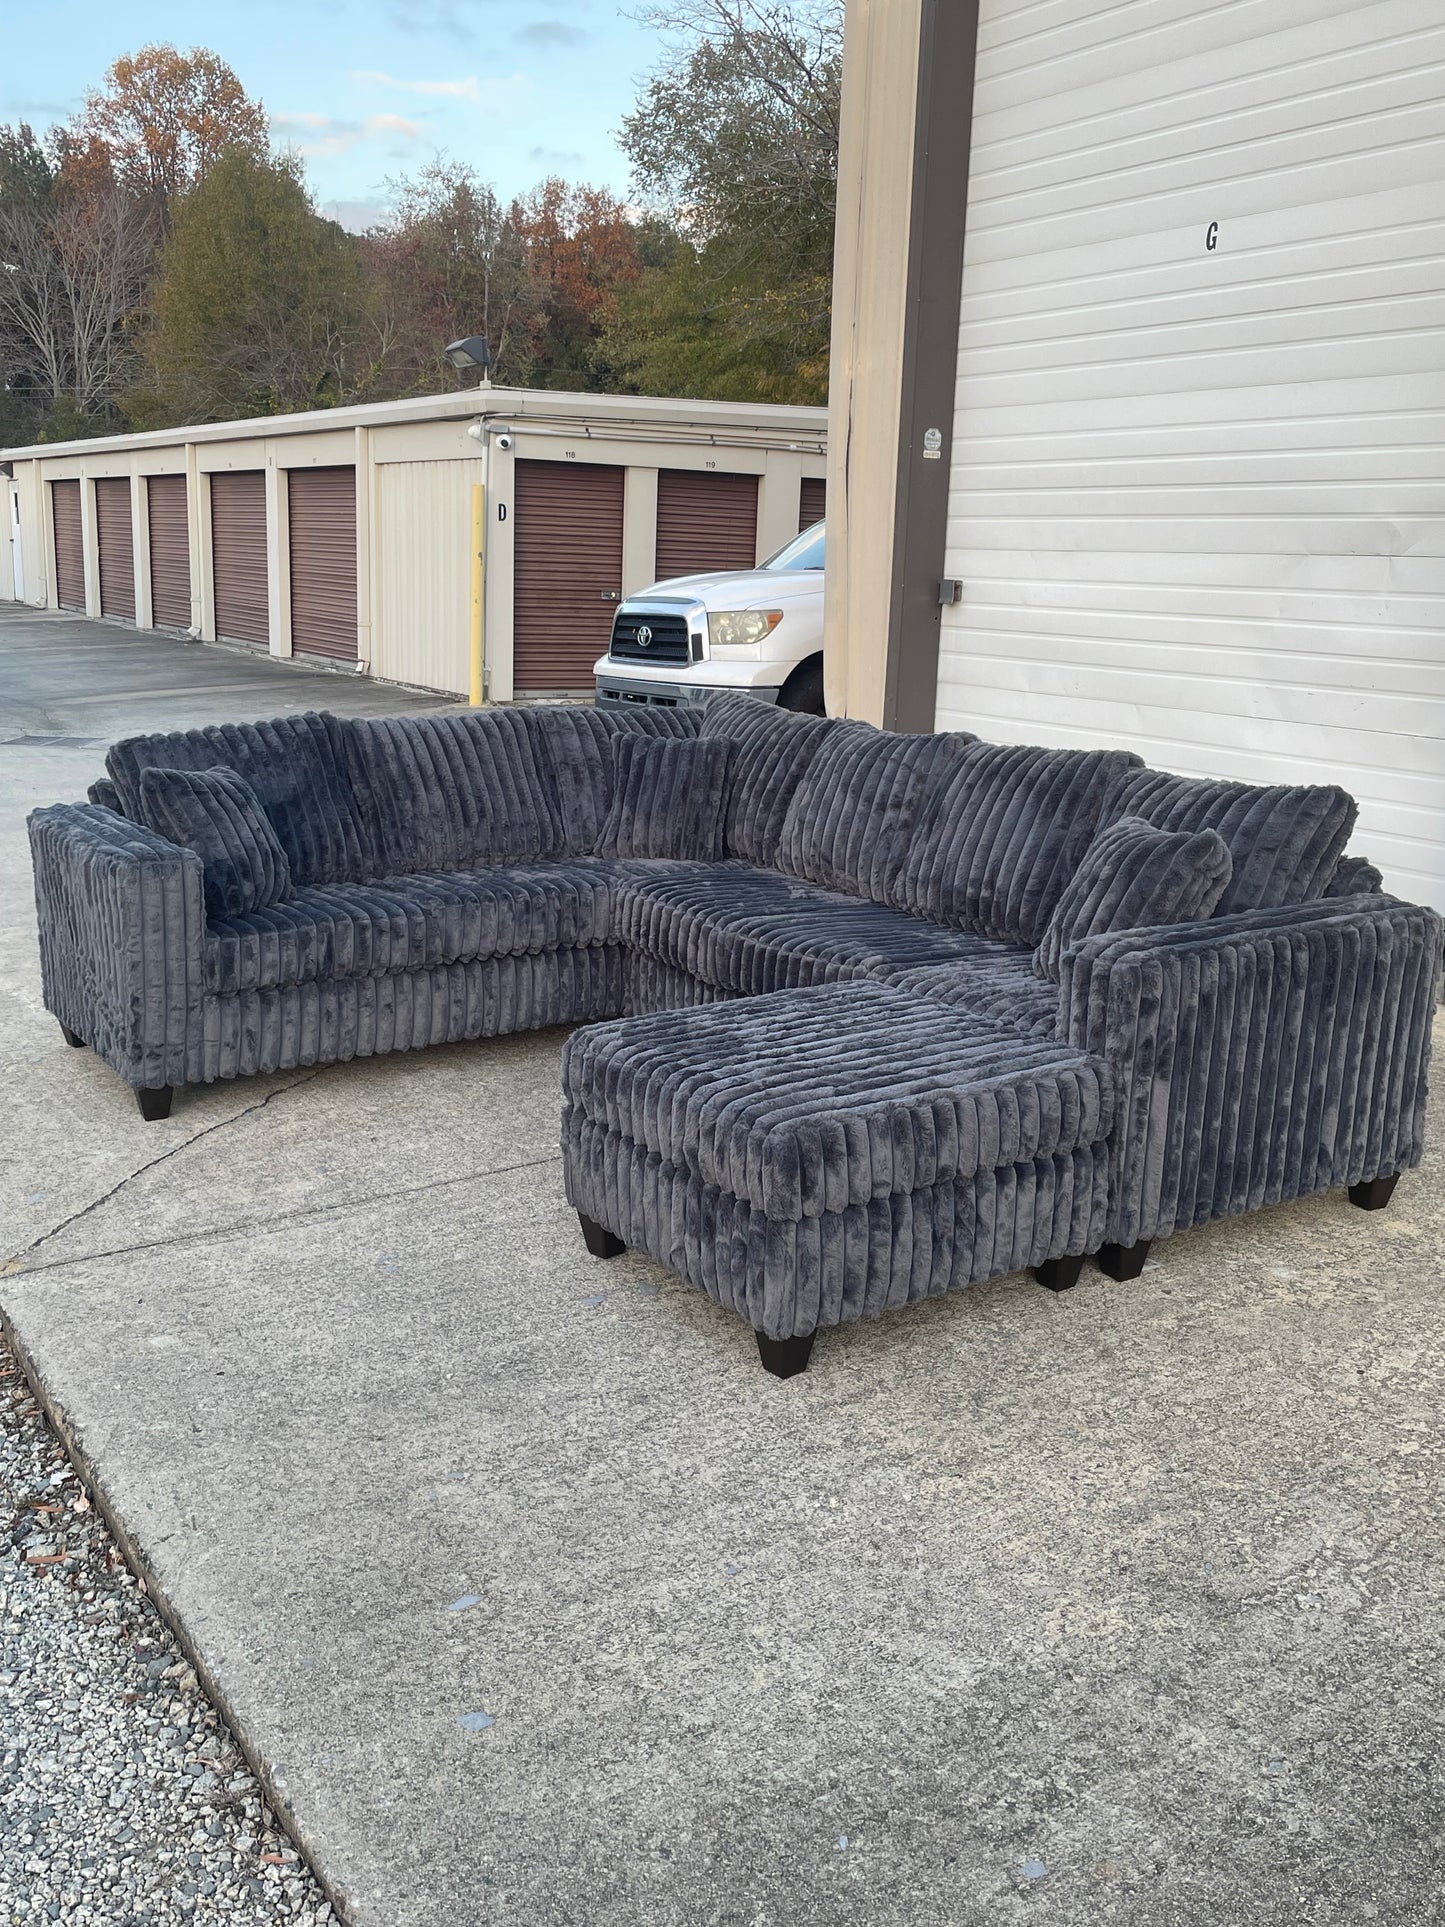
pixel 612 595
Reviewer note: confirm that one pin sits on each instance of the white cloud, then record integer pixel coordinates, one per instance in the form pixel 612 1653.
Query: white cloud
pixel 503 95
pixel 468 89
pixel 319 134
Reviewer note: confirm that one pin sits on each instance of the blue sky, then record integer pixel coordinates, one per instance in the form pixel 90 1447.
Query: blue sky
pixel 519 88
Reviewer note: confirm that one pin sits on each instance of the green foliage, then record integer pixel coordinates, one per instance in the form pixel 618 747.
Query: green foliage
pixel 259 308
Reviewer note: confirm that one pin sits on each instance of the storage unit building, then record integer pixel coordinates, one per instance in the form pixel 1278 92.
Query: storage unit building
pixel 344 537
pixel 1178 437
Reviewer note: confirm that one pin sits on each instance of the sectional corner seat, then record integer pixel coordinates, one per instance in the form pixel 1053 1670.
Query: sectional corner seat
pixel 836 1054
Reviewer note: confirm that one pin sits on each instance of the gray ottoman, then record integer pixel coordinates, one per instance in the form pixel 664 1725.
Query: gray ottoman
pixel 828 1154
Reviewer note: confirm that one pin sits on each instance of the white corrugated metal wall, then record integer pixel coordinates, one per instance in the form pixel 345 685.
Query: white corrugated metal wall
pixel 424 572
pixel 1197 490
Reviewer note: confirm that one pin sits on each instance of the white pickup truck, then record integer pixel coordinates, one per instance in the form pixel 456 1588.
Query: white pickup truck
pixel 755 630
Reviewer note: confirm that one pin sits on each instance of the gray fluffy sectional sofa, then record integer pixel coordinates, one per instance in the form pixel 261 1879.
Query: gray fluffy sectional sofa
pixel 889 1014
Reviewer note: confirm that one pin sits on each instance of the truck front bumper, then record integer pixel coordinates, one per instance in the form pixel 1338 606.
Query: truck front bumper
pixel 616 689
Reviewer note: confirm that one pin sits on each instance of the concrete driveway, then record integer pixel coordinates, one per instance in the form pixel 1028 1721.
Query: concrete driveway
pixel 540 1603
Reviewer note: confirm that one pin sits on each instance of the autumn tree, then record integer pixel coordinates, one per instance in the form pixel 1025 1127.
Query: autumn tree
pixel 448 261
pixel 76 247
pixel 259 308
pixel 165 117
pixel 734 144
pixel 580 248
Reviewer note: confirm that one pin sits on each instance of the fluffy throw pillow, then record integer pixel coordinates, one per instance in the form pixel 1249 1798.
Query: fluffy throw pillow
pixel 669 798
pixel 1131 877
pixel 218 815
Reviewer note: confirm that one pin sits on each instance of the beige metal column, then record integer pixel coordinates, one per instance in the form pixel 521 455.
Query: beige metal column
pixel 365 550
pixel 198 535
pixel 90 545
pixel 639 530
pixel 779 494
pixel 501 494
pixel 140 547
pixel 278 553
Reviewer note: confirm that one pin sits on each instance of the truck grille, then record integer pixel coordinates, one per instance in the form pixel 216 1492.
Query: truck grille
pixel 666 638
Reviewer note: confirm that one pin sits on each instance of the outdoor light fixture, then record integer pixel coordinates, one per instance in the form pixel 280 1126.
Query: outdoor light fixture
pixel 474 351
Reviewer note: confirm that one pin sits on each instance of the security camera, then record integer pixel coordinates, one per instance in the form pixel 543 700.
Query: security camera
pixel 504 440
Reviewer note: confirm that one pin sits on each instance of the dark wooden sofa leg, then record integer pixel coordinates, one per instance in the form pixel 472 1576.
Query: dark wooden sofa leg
pixel 601 1242
pixel 1123 1261
pixel 72 1037
pixel 1375 1193
pixel 1059 1274
pixel 154 1105
pixel 785 1357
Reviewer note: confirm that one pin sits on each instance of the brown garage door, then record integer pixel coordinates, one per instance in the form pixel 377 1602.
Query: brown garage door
pixel 812 502
pixel 323 561
pixel 69 545
pixel 117 546
pixel 170 531
pixel 567 518
pixel 705 521
pixel 238 555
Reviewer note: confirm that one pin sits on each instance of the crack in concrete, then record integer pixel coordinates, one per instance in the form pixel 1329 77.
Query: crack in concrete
pixel 219 1234
pixel 16 1258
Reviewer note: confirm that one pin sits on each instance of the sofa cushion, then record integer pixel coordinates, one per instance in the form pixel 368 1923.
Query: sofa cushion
pixel 751 931
pixel 775 750
pixel 1133 877
pixel 997 983
pixel 297 767
pixel 1284 841
pixel 410 923
pixel 669 798
pixel 450 791
pixel 1003 834
pixel 215 813
pixel 853 814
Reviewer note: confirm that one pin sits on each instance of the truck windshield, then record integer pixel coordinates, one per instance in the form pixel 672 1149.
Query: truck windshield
pixel 805 551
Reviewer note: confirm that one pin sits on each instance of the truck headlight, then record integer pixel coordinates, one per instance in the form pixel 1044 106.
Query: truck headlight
pixel 742 628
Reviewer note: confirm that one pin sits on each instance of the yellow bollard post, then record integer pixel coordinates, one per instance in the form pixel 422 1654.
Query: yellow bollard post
pixel 479 539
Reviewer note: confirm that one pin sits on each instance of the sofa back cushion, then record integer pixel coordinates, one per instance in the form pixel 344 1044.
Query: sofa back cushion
pixel 1284 842
pixel 217 814
pixel 576 745
pixel 853 814
pixel 296 765
pixel 775 750
pixel 669 798
pixel 1134 877
pixel 1004 833
pixel 453 791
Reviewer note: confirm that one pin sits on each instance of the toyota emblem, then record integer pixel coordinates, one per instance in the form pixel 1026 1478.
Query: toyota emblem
pixel 644 636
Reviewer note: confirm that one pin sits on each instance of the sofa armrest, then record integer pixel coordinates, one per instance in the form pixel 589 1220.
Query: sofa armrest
pixel 1259 1057
pixel 122 926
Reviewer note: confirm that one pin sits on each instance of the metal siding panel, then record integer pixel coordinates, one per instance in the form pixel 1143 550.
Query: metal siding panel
pixel 238 555
pixel 705 521
pixel 567 531
pixel 116 541
pixel 69 545
pixel 1196 498
pixel 168 519
pixel 322 521
pixel 424 539
pixel 812 501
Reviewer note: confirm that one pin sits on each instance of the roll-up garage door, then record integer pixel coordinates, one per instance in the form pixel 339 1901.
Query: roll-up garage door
pixel 117 546
pixel 567 518
pixel 238 556
pixel 812 501
pixel 168 519
pixel 323 561
pixel 705 521
pixel 69 545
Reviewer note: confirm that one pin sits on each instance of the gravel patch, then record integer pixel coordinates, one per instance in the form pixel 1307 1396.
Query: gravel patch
pixel 124 1801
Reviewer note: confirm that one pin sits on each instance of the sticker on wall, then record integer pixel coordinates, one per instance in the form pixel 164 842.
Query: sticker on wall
pixel 933 445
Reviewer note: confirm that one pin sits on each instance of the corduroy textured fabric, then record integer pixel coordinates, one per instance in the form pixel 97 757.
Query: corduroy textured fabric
pixel 104 794
pixel 1133 876
pixel 999 984
pixel 1257 1061
pixel 887 1158
pixel 1355 876
pixel 451 791
pixel 669 799
pixel 297 767
pixel 1284 842
pixel 1003 834
pixel 853 814
pixel 775 750
pixel 216 813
